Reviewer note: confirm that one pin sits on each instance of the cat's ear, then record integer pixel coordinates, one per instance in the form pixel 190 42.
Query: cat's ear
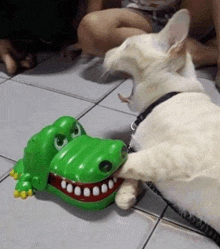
pixel 175 32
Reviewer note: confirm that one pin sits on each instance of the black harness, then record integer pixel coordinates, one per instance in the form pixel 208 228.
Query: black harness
pixel 149 109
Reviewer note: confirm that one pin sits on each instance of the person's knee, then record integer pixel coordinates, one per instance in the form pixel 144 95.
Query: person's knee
pixel 93 32
pixel 89 30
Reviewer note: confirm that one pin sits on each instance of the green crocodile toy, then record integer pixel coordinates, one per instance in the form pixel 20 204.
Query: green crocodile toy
pixel 65 161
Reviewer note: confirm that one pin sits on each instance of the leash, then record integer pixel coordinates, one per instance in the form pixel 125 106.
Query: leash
pixel 206 229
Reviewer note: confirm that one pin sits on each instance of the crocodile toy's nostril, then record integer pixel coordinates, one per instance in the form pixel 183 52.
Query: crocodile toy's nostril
pixel 105 166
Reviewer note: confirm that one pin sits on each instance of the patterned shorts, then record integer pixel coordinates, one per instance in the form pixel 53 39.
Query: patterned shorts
pixel 159 18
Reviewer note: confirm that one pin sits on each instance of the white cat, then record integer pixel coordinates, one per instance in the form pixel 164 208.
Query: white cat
pixel 178 144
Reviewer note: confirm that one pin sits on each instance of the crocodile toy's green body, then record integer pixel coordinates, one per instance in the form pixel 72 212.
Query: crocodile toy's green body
pixel 63 160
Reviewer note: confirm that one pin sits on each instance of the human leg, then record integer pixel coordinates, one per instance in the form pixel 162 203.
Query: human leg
pixel 202 54
pixel 100 31
pixel 216 20
pixel 201 12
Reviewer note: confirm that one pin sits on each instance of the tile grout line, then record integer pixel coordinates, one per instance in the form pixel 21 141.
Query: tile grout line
pixel 107 94
pixel 97 103
pixel 88 110
pixel 105 107
pixel 63 92
pixel 146 212
pixel 184 227
pixel 158 221
pixel 6 174
pixel 54 91
pixel 4 81
pixel 45 88
pixel 113 109
pixel 110 92
pixel 8 159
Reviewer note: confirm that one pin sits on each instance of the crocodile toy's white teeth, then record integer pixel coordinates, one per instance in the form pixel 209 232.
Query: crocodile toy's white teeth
pixel 110 184
pixel 77 191
pixel 63 184
pixel 104 188
pixel 86 192
pixel 69 188
pixel 96 191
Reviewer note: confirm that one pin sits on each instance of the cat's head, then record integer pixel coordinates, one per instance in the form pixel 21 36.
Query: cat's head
pixel 145 56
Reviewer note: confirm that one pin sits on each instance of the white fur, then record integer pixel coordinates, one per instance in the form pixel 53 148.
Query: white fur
pixel 178 144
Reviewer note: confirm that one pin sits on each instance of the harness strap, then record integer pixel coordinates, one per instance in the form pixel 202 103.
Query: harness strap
pixel 150 108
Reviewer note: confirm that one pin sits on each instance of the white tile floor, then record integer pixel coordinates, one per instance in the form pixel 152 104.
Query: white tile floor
pixel 36 98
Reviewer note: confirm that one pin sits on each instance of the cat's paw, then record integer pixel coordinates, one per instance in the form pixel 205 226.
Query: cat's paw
pixel 125 200
pixel 126 195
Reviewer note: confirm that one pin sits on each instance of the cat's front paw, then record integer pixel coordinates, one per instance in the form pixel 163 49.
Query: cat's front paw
pixel 125 200
pixel 126 195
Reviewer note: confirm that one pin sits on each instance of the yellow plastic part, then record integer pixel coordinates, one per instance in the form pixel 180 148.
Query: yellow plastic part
pixel 12 173
pixel 16 193
pixel 16 176
pixel 30 192
pixel 23 194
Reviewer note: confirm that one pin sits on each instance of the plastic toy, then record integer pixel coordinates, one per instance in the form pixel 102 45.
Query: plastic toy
pixel 65 161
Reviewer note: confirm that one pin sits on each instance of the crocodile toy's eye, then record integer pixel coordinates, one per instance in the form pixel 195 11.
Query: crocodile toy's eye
pixel 60 141
pixel 105 166
pixel 76 131
pixel 124 151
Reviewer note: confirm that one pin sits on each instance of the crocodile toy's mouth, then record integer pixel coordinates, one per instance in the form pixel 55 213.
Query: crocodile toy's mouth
pixel 86 192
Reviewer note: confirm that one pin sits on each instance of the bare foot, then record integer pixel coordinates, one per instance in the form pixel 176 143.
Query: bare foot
pixel 14 60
